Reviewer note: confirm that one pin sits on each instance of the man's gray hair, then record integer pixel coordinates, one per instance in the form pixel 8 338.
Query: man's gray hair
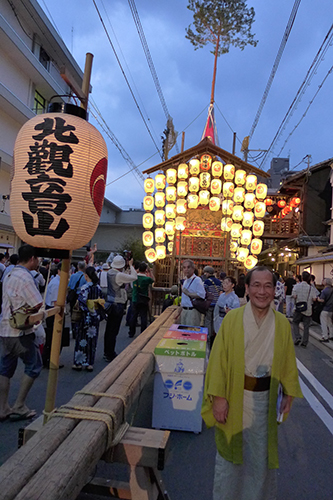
pixel 328 281
pixel 190 262
pixel 81 265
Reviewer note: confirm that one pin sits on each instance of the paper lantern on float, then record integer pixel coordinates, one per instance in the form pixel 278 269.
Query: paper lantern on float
pixel 251 183
pixel 239 195
pixel 256 246
pixel 240 177
pixel 170 193
pixel 205 163
pixel 180 223
pixel 227 206
pixel 229 172
pixel 261 191
pixel 236 231
pixel 148 203
pixel 242 254
pixel 268 202
pixel 159 199
pixel 282 203
pixel 149 185
pixel 171 176
pixel 248 218
pixel 194 166
pixel 182 188
pixel 170 210
pixel 233 246
pixel 159 217
pixel 260 209
pixel 204 197
pixel 147 221
pixel 258 228
pixel 228 189
pixel 150 255
pixel 250 262
pixel 193 184
pixel 182 171
pixel 237 213
pixel 295 202
pixel 147 238
pixel 58 180
pixel 246 237
pixel 192 200
pixel 170 228
pixel 216 186
pixel 170 246
pixel 232 255
pixel 204 180
pixel 217 169
pixel 160 252
pixel 159 235
pixel 171 237
pixel 249 201
pixel 160 182
pixel 226 223
pixel 214 204
pixel 181 206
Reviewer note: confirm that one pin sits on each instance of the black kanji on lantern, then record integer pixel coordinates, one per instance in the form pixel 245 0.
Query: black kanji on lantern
pixel 47 195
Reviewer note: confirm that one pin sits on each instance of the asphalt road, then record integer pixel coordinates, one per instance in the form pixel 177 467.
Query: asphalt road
pixel 305 440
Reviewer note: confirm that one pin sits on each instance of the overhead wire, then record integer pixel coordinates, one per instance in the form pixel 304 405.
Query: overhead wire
pixel 276 64
pixel 124 75
pixel 306 82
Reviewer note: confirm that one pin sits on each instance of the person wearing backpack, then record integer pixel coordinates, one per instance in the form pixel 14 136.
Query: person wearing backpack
pixel 140 298
pixel 304 295
pixel 75 283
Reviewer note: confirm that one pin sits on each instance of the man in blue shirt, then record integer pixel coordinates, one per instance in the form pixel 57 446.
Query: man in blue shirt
pixel 76 281
pixel 213 286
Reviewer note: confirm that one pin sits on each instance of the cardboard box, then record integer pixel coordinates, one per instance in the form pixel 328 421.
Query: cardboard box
pixel 179 334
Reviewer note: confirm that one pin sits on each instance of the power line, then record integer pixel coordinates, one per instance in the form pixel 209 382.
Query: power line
pixel 306 82
pixel 151 66
pixel 276 64
pixel 126 79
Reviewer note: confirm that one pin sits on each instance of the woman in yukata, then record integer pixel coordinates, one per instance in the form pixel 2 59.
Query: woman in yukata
pixel 91 304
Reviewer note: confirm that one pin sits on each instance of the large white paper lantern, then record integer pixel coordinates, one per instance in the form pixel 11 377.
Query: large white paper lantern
pixel 160 251
pixel 150 255
pixel 170 246
pixel 182 171
pixel 204 197
pixel 246 237
pixel 228 189
pixel 180 223
pixel 216 186
pixel 249 201
pixel 147 221
pixel 204 180
pixel 261 191
pixel 251 182
pixel 147 238
pixel 237 213
pixel 258 228
pixel 242 254
pixel 260 209
pixel 159 217
pixel 193 184
pixel 194 166
pixel 171 237
pixel 192 200
pixel 159 235
pixel 58 180
pixel 233 245
pixel 240 177
pixel 148 203
pixel 171 176
pixel 170 228
pixel 236 231
pixel 239 195
pixel 170 210
pixel 182 188
pixel 250 262
pixel 214 204
pixel 217 169
pixel 160 182
pixel 149 185
pixel 227 206
pixel 226 223
pixel 181 206
pixel 256 246
pixel 229 172
pixel 170 193
pixel 248 219
pixel 159 199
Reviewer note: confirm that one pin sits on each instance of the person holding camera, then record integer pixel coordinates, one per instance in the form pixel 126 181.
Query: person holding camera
pixel 115 302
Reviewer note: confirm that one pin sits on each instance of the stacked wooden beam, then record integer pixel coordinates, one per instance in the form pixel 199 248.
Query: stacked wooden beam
pixel 58 460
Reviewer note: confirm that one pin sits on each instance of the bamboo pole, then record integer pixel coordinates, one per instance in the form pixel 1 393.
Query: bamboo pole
pixel 22 466
pixel 212 95
pixel 86 80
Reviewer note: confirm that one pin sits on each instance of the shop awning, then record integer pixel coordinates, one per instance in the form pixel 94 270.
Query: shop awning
pixel 326 257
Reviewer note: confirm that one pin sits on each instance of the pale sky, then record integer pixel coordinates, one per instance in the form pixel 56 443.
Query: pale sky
pixel 185 78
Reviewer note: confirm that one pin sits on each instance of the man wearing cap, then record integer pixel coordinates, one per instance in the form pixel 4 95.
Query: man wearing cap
pixel 213 286
pixel 116 299
pixel 192 288
pixel 103 281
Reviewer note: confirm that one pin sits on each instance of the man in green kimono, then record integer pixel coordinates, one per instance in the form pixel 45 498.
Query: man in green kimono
pixel 251 363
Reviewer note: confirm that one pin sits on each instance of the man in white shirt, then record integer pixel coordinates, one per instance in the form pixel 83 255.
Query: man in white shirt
pixel 193 288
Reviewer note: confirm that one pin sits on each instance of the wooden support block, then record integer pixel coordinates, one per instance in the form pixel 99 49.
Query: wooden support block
pixel 141 447
pixel 25 433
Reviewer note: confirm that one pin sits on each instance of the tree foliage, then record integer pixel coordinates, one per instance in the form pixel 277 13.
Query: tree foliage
pixel 222 23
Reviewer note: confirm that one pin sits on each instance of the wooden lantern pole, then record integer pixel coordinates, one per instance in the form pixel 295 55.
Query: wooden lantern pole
pixel 64 276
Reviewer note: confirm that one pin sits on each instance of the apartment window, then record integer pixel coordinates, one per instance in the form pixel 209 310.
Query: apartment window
pixel 39 103
pixel 44 58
